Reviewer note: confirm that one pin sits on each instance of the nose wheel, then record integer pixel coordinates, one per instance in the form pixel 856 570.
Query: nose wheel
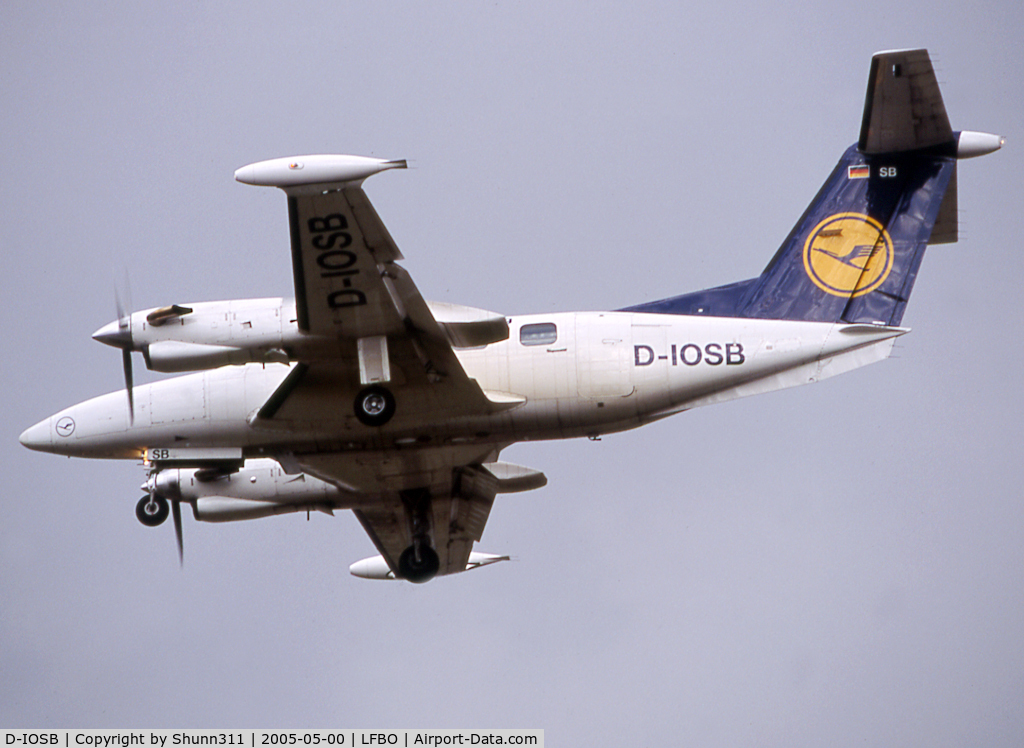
pixel 152 510
pixel 374 406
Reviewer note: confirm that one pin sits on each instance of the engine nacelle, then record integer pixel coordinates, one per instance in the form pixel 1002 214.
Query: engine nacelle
pixel 211 334
pixel 259 489
pixel 171 356
pixel 220 509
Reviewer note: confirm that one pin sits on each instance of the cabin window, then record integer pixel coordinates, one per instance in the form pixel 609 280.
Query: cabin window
pixel 544 333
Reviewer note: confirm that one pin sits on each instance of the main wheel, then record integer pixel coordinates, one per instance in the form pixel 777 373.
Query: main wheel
pixel 152 510
pixel 374 406
pixel 422 570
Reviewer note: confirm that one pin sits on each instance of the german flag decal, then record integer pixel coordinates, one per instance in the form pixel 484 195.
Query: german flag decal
pixel 859 172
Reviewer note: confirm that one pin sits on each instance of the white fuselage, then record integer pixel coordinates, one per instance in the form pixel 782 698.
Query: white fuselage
pixel 576 374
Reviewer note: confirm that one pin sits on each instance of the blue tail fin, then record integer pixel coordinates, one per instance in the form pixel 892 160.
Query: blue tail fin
pixel 854 254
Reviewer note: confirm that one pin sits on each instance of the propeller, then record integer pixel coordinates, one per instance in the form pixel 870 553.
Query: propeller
pixel 119 335
pixel 129 381
pixel 152 485
pixel 124 329
pixel 176 514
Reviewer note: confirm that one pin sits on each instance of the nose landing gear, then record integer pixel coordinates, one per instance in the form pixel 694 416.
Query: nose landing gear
pixel 152 510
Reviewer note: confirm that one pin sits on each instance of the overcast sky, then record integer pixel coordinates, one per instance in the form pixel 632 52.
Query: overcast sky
pixel 830 565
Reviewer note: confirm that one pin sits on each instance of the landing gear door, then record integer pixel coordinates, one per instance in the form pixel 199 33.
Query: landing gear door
pixel 603 350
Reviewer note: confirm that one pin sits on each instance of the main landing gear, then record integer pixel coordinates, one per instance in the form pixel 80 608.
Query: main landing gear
pixel 419 562
pixel 374 405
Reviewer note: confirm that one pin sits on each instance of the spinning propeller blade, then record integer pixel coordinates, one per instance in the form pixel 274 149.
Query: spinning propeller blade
pixel 151 485
pixel 121 337
pixel 126 361
pixel 176 513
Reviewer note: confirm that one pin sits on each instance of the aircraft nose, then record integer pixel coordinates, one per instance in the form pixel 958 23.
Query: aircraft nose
pixel 38 437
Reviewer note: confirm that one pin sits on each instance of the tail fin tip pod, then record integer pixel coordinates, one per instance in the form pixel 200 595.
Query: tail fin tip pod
pixel 854 255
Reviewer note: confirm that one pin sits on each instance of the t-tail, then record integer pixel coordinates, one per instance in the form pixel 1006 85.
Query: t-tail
pixel 854 254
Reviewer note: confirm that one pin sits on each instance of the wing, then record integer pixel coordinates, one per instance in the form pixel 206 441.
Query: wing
pixel 445 493
pixel 341 253
pixel 349 289
pixel 456 519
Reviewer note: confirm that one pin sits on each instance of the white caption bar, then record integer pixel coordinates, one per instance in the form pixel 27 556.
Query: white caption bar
pixel 267 738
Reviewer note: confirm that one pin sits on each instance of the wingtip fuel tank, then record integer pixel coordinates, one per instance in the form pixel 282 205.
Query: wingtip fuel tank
pixel 377 568
pixel 296 171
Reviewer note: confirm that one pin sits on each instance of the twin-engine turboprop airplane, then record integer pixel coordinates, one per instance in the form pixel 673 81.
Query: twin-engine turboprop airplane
pixel 360 395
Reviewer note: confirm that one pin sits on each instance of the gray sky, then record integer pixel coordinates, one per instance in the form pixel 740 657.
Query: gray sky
pixel 835 564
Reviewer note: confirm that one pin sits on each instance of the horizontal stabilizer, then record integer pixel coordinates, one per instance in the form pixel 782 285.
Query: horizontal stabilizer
pixel 903 110
pixel 876 332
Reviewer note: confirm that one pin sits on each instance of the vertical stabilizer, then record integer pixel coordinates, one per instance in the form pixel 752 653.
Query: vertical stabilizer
pixel 854 254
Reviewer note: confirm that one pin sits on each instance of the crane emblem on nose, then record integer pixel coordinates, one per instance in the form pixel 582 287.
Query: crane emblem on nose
pixel 65 426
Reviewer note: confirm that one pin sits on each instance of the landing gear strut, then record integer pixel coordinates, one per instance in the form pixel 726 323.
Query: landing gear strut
pixel 152 510
pixel 419 562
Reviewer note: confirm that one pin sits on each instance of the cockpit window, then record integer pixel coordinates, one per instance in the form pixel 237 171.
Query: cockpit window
pixel 544 333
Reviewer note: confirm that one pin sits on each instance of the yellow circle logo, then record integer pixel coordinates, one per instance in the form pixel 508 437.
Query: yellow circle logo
pixel 848 254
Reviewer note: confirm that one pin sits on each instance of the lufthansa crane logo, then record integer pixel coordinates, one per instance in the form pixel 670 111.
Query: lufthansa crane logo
pixel 848 254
